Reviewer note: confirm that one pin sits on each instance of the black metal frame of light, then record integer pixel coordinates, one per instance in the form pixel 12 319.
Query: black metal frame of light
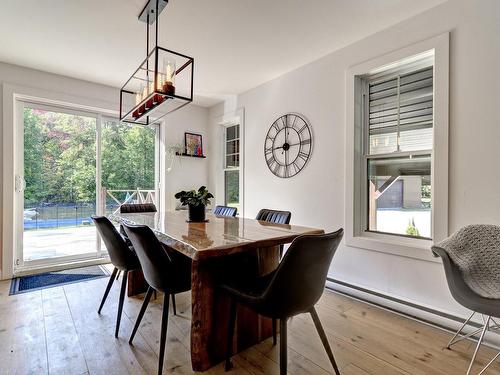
pixel 144 16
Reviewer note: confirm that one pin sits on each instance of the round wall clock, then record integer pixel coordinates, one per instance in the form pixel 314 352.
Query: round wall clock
pixel 288 145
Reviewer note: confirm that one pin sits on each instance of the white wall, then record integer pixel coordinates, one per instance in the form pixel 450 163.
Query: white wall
pixel 189 118
pixel 187 173
pixel 318 91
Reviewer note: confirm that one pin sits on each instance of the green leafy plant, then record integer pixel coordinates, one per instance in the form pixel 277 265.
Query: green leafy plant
pixel 194 197
pixel 412 230
pixel 175 149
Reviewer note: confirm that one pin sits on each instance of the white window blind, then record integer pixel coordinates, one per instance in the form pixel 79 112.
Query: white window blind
pixel 401 112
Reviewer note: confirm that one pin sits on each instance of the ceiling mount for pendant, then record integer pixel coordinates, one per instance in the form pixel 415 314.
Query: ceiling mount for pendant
pixel 150 9
pixel 163 82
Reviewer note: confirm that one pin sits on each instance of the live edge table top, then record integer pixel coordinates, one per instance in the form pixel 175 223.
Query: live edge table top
pixel 218 236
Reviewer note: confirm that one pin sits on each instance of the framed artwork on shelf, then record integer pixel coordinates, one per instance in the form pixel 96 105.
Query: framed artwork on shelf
pixel 193 144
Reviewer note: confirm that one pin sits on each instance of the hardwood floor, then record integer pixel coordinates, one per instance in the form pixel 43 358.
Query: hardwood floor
pixel 58 331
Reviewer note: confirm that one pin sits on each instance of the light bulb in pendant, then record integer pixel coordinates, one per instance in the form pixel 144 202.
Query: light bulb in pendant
pixel 169 84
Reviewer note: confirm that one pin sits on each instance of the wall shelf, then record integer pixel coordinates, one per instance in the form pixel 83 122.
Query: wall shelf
pixel 191 156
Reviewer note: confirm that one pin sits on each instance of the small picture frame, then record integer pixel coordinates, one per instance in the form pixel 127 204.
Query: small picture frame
pixel 193 144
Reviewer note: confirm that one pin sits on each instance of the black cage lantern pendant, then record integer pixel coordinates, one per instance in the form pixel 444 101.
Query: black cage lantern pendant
pixel 163 82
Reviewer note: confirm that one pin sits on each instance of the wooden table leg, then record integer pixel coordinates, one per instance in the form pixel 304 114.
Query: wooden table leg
pixel 210 309
pixel 202 295
pixel 136 284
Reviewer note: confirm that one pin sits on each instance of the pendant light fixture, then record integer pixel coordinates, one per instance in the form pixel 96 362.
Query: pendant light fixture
pixel 163 82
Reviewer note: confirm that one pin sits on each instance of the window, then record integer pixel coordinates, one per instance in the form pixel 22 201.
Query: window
pixel 397 129
pixel 396 192
pixel 231 167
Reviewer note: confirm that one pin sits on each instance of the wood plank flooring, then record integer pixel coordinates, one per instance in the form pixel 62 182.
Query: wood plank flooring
pixel 58 331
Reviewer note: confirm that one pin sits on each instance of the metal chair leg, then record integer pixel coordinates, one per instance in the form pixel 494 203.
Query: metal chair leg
pixel 108 288
pixel 489 363
pixel 324 339
pixel 274 331
pixel 163 336
pixel 144 306
pixel 283 347
pixel 120 302
pixel 118 274
pixel 459 331
pixel 485 328
pixel 230 334
pixel 173 304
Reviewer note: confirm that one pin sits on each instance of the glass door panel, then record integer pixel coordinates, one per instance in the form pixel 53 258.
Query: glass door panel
pixel 60 185
pixel 128 163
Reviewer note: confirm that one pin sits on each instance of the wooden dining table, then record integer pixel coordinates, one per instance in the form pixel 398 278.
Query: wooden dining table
pixel 221 249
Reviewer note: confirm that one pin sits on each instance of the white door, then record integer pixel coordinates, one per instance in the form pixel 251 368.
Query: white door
pixel 56 186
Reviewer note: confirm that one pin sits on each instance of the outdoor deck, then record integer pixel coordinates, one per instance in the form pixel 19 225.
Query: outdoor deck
pixel 58 242
pixel 65 229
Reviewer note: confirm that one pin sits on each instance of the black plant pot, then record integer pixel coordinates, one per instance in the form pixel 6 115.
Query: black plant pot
pixel 197 213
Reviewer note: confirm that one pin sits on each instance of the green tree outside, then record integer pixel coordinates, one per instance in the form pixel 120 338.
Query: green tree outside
pixel 60 157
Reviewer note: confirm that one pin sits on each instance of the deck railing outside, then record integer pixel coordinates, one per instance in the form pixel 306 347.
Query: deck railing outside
pixel 44 215
pixel 120 197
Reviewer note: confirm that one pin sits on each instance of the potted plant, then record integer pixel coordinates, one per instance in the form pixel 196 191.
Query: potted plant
pixel 196 200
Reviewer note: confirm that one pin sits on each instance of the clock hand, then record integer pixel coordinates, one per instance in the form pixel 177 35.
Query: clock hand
pixel 289 145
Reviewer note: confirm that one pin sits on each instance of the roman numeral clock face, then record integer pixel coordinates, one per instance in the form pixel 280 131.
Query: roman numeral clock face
pixel 288 145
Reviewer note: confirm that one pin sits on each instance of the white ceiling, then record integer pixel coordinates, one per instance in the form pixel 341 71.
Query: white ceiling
pixel 237 44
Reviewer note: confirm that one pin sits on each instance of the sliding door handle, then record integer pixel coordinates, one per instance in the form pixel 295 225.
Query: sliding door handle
pixel 20 184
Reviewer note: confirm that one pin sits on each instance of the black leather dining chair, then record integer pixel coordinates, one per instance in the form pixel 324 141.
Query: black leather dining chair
pixel 163 273
pixel 137 207
pixel 225 211
pixel 122 257
pixel 293 288
pixel 278 217
pixel 130 208
pixel 274 216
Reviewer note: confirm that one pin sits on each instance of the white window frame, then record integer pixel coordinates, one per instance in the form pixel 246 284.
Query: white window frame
pixel 225 168
pixel 356 235
pixel 225 121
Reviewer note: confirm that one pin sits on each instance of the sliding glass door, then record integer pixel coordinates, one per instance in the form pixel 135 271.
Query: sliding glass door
pixel 60 184
pixel 71 165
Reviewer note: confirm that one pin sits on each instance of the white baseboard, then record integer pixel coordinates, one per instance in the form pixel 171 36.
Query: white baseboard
pixel 425 314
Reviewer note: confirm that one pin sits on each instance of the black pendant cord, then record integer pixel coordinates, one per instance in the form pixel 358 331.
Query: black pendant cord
pixel 147 47
pixel 147 59
pixel 156 26
pixel 156 42
pixel 156 47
